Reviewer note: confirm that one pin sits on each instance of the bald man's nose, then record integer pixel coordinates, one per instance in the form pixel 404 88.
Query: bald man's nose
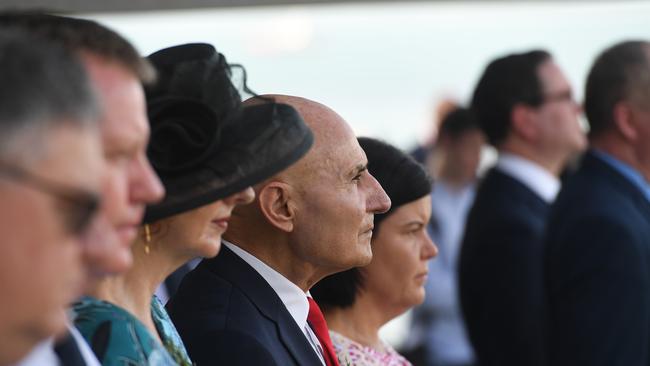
pixel 378 201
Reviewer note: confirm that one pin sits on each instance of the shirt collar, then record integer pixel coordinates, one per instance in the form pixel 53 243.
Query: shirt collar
pixel 625 170
pixel 41 354
pixel 293 298
pixel 532 175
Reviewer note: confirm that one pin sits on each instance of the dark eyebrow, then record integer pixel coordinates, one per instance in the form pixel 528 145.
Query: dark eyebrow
pixel 359 169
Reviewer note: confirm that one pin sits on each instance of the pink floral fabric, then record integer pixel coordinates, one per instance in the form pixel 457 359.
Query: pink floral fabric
pixel 351 353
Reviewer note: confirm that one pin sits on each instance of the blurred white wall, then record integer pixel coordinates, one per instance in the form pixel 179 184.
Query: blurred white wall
pixel 385 66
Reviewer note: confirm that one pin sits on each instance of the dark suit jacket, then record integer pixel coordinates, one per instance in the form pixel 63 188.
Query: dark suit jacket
pixel 598 271
pixel 500 273
pixel 68 352
pixel 172 281
pixel 227 314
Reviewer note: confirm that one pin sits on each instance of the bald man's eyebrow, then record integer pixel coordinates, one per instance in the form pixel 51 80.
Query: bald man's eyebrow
pixel 358 170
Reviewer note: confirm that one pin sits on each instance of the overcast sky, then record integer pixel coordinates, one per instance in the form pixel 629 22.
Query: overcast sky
pixel 383 67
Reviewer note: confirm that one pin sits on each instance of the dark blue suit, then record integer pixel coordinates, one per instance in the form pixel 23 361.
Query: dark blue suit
pixel 598 270
pixel 227 314
pixel 500 273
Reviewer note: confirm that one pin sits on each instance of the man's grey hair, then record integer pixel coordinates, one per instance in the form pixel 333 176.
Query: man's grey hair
pixel 42 86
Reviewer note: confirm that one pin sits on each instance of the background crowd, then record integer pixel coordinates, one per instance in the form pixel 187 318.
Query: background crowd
pixel 117 171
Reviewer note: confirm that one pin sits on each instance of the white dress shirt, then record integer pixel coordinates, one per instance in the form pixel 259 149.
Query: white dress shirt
pixel 533 176
pixel 43 353
pixel 292 296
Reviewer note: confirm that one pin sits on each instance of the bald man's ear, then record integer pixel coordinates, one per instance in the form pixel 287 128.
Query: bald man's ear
pixel 276 205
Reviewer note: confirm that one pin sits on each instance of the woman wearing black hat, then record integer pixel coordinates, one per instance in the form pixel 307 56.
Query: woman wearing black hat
pixel 208 150
pixel 357 302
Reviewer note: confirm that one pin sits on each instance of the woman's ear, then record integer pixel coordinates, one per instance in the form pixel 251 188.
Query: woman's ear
pixel 159 227
pixel 275 200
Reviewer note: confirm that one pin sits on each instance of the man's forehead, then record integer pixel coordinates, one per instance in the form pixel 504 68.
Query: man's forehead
pixel 362 158
pixel 335 147
pixel 123 132
pixel 124 123
pixel 331 133
pixel 101 70
pixel 551 75
pixel 345 158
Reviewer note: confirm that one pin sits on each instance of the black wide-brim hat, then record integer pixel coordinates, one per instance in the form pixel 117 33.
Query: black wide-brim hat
pixel 205 145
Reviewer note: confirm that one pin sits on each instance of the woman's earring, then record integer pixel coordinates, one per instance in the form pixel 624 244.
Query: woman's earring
pixel 147 238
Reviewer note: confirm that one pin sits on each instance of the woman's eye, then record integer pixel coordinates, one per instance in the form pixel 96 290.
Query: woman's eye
pixel 415 230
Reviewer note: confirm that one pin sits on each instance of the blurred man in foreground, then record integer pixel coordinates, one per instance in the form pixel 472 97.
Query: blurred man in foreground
pixel 50 169
pixel 117 72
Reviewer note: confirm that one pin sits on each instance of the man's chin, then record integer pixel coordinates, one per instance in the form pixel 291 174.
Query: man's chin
pixel 364 261
pixel 366 254
pixel 363 258
pixel 53 326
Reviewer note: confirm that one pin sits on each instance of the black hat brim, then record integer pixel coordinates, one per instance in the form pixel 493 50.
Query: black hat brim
pixel 257 143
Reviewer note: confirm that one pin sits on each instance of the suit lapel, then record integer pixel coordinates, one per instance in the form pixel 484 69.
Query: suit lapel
pixel 68 352
pixel 229 265
pixel 294 339
pixel 511 187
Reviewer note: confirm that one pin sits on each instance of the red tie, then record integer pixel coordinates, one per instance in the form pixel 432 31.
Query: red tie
pixel 319 326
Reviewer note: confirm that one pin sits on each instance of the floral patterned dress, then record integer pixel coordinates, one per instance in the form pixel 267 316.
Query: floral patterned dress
pixel 120 339
pixel 351 353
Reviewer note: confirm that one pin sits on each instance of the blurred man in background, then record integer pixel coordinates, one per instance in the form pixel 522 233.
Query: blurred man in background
pixel 597 267
pixel 525 107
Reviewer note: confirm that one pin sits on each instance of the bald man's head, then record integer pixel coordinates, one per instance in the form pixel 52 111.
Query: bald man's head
pixel 328 128
pixel 321 207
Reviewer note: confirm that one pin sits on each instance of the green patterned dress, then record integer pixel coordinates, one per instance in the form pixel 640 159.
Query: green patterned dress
pixel 120 339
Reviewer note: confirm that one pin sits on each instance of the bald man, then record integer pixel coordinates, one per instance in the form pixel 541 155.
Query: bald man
pixel 249 305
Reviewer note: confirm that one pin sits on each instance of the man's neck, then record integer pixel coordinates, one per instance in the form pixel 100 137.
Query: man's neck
pixel 553 165
pixel 278 255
